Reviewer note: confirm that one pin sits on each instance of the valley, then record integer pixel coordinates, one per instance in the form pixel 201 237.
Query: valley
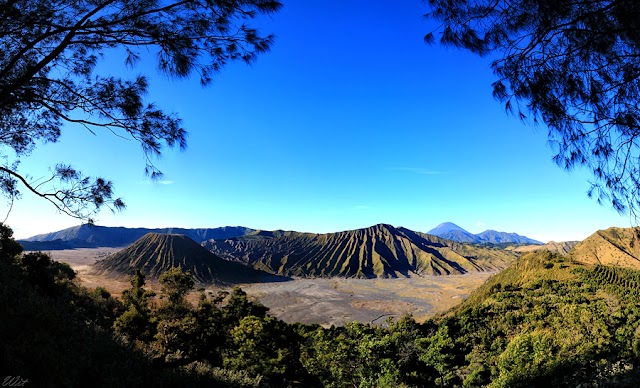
pixel 327 302
pixel 490 316
pixel 338 301
pixel 453 270
pixel 306 238
pixel 364 275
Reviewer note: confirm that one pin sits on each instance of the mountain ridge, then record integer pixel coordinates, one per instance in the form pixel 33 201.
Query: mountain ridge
pixel 380 250
pixel 155 253
pixel 92 236
pixel 613 246
pixel 451 231
pixel 560 247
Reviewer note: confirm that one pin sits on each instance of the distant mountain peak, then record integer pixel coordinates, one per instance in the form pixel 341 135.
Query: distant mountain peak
pixel 451 231
pixel 495 237
pixel 445 227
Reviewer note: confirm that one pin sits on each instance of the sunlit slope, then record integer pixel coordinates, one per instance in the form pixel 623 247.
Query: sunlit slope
pixel 378 251
pixel 541 265
pixel 155 253
pixel 562 247
pixel 613 246
pixel 547 321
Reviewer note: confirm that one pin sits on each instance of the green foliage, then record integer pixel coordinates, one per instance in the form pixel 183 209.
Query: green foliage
pixel 9 248
pixel 45 273
pixel 624 282
pixel 530 325
pixel 211 335
pixel 365 355
pixel 136 322
pixel 223 377
pixel 527 328
pixel 238 306
pixel 440 355
pixel 175 285
pixel 263 346
pixel 59 337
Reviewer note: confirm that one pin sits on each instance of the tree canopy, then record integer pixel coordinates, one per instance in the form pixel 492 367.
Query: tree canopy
pixel 572 65
pixel 49 50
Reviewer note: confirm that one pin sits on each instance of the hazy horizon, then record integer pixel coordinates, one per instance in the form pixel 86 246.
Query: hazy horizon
pixel 473 231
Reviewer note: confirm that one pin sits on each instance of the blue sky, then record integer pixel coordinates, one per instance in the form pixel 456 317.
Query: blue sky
pixel 349 121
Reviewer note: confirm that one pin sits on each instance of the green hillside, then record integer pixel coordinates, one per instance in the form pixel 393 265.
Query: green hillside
pixel 546 321
pixel 378 251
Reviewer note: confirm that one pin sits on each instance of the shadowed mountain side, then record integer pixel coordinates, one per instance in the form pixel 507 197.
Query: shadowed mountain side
pixel 55 245
pixel 91 236
pixel 613 246
pixel 155 253
pixel 263 234
pixel 378 251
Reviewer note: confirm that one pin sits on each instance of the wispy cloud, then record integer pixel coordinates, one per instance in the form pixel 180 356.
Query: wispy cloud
pixel 160 182
pixel 417 170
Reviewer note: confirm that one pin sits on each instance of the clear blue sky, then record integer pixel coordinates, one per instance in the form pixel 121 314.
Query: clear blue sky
pixel 350 120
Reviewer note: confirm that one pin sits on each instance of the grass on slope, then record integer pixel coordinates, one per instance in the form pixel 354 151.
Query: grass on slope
pixel 534 267
pixel 547 321
pixel 613 246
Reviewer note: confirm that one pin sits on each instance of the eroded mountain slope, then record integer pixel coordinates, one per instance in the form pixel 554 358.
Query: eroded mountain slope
pixel 155 253
pixel 378 251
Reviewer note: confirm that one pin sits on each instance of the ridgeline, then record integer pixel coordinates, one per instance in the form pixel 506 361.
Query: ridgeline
pixel 378 251
pixel 155 253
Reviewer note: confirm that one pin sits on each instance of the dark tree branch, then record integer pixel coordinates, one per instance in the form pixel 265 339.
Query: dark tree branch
pixel 570 65
pixel 50 50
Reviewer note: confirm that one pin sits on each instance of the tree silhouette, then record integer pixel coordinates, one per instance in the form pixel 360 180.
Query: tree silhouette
pixel 136 321
pixel 574 66
pixel 48 53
